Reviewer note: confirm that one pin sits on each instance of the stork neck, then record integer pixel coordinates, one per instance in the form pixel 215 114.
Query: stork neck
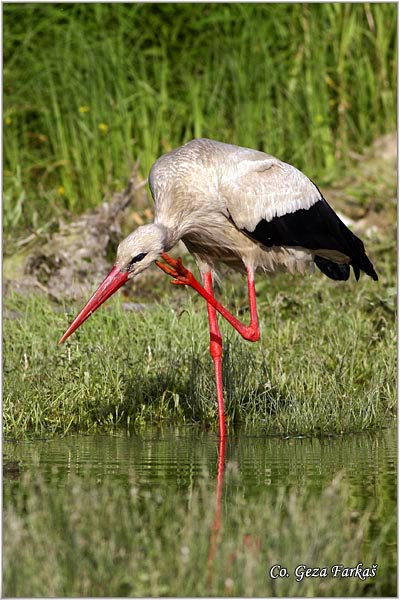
pixel 171 235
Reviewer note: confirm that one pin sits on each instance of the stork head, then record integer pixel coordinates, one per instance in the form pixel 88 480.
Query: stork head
pixel 142 247
pixel 135 253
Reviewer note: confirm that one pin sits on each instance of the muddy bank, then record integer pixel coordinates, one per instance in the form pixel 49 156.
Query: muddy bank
pixel 68 264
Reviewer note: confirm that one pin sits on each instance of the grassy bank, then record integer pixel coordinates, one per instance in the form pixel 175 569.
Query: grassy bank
pixel 88 88
pixel 325 362
pixel 109 540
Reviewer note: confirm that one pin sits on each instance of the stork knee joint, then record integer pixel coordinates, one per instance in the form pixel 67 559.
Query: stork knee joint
pixel 252 334
pixel 215 350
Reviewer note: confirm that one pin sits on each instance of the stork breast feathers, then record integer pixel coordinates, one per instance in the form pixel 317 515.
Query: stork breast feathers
pixel 255 190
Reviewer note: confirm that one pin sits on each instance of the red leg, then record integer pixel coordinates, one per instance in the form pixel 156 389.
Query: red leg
pixel 216 352
pixel 181 276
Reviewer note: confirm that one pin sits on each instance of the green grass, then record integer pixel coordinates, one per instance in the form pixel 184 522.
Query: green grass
pixel 325 363
pixel 122 540
pixel 88 88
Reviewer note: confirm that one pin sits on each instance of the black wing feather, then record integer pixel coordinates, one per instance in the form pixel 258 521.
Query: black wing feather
pixel 316 228
pixel 333 270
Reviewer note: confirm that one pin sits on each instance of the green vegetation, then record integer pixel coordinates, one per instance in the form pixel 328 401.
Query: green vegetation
pixel 325 362
pixel 128 541
pixel 88 88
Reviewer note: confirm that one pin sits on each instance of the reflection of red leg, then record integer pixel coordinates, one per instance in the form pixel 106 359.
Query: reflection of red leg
pixel 216 352
pixel 216 526
pixel 181 276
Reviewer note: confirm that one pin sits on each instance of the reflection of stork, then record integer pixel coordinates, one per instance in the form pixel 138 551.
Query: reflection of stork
pixel 240 207
pixel 216 526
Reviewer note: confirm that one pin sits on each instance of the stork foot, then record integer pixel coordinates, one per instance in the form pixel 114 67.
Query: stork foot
pixel 180 274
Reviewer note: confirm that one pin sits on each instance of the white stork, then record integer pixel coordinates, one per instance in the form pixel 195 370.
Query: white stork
pixel 240 207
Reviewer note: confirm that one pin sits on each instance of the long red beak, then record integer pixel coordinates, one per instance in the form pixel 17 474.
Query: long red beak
pixel 114 280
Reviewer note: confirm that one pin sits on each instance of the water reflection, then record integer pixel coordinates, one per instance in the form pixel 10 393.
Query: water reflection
pixel 369 462
pixel 177 458
pixel 250 475
pixel 216 526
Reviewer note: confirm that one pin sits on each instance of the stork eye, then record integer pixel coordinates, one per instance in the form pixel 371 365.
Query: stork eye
pixel 137 258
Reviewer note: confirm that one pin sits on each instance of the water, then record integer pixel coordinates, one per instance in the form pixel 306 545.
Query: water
pixel 177 457
pixel 249 470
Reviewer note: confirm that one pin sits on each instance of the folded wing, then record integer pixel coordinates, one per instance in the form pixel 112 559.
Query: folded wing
pixel 277 205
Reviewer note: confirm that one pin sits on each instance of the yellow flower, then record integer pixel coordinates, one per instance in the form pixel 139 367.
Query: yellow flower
pixel 319 119
pixel 103 127
pixel 61 190
pixel 84 109
pixel 8 120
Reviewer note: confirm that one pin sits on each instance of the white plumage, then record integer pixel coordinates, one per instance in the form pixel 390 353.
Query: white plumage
pixel 213 195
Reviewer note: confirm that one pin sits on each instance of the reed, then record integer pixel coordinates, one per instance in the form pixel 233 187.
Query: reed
pixel 89 88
